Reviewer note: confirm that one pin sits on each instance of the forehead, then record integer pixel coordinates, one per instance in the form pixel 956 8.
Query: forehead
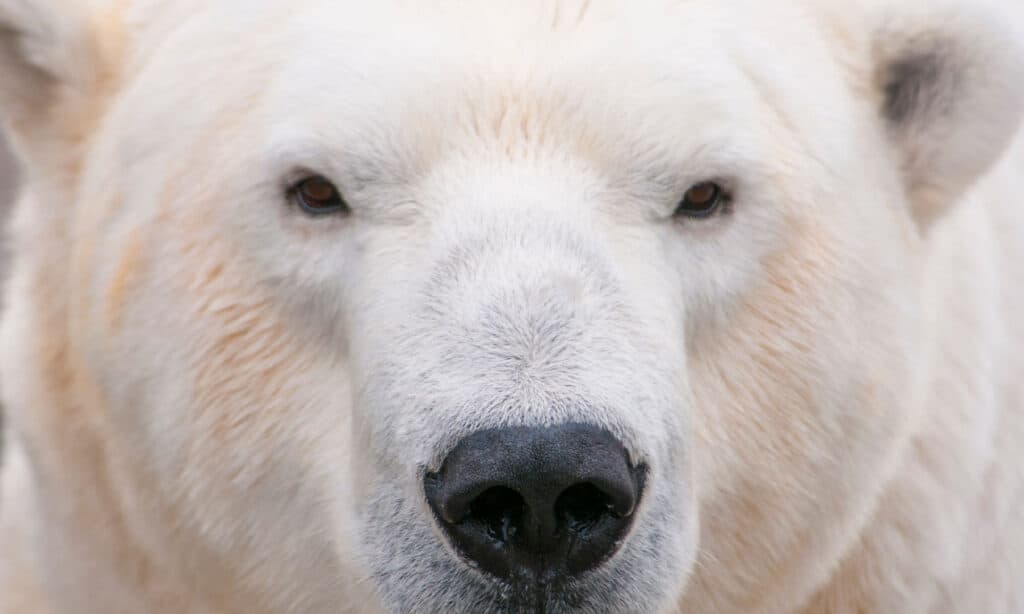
pixel 619 55
pixel 590 75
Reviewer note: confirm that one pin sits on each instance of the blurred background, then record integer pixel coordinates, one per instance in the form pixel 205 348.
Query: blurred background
pixel 8 183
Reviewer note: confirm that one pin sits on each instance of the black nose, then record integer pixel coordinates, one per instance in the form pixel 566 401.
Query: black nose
pixel 536 503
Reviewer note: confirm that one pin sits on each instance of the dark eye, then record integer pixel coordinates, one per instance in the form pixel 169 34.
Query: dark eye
pixel 318 196
pixel 701 200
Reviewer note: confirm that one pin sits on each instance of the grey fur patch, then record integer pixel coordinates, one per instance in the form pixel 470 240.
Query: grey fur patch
pixel 919 84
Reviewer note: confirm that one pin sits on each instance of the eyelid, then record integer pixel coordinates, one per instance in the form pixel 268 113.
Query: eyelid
pixel 295 178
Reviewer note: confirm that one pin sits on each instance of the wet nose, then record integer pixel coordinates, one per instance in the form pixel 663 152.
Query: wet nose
pixel 536 502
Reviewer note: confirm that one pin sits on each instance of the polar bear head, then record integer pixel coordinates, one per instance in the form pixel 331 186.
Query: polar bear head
pixel 526 306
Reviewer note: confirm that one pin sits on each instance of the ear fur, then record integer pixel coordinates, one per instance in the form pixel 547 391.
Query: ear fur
pixel 34 36
pixel 45 53
pixel 951 81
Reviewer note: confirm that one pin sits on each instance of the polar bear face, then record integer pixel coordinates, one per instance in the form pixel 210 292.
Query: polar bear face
pixel 316 249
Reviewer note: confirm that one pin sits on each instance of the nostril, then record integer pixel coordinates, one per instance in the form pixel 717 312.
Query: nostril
pixel 582 506
pixel 499 512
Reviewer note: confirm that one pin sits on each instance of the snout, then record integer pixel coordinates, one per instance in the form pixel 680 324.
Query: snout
pixel 536 504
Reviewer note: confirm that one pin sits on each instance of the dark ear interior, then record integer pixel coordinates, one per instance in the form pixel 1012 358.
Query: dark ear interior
pixel 25 85
pixel 951 85
pixel 919 85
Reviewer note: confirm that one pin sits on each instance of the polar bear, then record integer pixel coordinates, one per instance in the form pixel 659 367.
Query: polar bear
pixel 516 306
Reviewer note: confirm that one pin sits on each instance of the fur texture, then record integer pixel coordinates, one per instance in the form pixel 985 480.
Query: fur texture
pixel 219 404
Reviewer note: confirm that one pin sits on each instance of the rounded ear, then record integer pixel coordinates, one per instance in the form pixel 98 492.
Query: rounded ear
pixel 950 76
pixel 46 53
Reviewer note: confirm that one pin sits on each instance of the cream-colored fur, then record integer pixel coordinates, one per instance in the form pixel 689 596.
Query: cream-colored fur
pixel 217 404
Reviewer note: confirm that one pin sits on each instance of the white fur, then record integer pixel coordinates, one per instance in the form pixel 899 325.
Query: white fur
pixel 222 405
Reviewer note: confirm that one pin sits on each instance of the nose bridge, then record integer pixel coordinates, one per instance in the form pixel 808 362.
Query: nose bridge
pixel 529 220
pixel 547 200
pixel 531 291
pixel 517 316
pixel 520 236
pixel 502 249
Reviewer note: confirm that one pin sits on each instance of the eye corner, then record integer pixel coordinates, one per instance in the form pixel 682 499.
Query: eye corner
pixel 317 196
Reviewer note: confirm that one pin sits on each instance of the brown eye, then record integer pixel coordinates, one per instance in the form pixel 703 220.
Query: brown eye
pixel 318 196
pixel 702 200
